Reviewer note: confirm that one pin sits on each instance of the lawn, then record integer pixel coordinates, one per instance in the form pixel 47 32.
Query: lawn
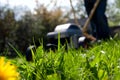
pixel 99 62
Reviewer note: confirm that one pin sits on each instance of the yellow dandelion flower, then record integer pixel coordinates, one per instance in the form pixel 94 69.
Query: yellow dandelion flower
pixel 7 71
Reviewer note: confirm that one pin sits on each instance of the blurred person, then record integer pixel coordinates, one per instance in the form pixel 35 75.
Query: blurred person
pixel 99 23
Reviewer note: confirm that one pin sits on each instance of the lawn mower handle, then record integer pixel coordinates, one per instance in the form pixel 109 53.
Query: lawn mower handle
pixel 84 29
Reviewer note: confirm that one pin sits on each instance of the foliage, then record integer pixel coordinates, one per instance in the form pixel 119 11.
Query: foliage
pixel 34 25
pixel 21 32
pixel 117 3
pixel 100 62
pixel 7 28
pixel 49 19
pixel 80 8
pixel 113 13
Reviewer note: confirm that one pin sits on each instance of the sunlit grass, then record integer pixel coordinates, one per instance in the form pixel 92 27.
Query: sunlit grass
pixel 100 62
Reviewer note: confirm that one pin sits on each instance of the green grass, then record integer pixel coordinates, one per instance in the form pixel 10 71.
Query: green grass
pixel 100 62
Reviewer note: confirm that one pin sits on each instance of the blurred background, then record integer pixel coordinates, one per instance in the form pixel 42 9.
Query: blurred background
pixel 24 22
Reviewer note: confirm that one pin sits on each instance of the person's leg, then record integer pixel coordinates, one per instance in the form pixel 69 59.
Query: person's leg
pixel 101 21
pixel 89 6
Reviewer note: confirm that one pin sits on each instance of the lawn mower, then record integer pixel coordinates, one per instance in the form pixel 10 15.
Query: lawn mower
pixel 69 33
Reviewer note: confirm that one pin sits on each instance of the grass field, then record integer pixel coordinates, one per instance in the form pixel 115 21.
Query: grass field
pixel 99 62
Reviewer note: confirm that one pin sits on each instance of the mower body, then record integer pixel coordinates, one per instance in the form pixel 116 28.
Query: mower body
pixel 69 34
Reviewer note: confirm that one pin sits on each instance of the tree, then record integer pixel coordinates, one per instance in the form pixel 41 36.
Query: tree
pixel 20 32
pixel 36 25
pixel 113 13
pixel 49 19
pixel 7 28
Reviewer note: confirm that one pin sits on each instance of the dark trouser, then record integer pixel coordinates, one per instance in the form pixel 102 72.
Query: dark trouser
pixel 99 23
